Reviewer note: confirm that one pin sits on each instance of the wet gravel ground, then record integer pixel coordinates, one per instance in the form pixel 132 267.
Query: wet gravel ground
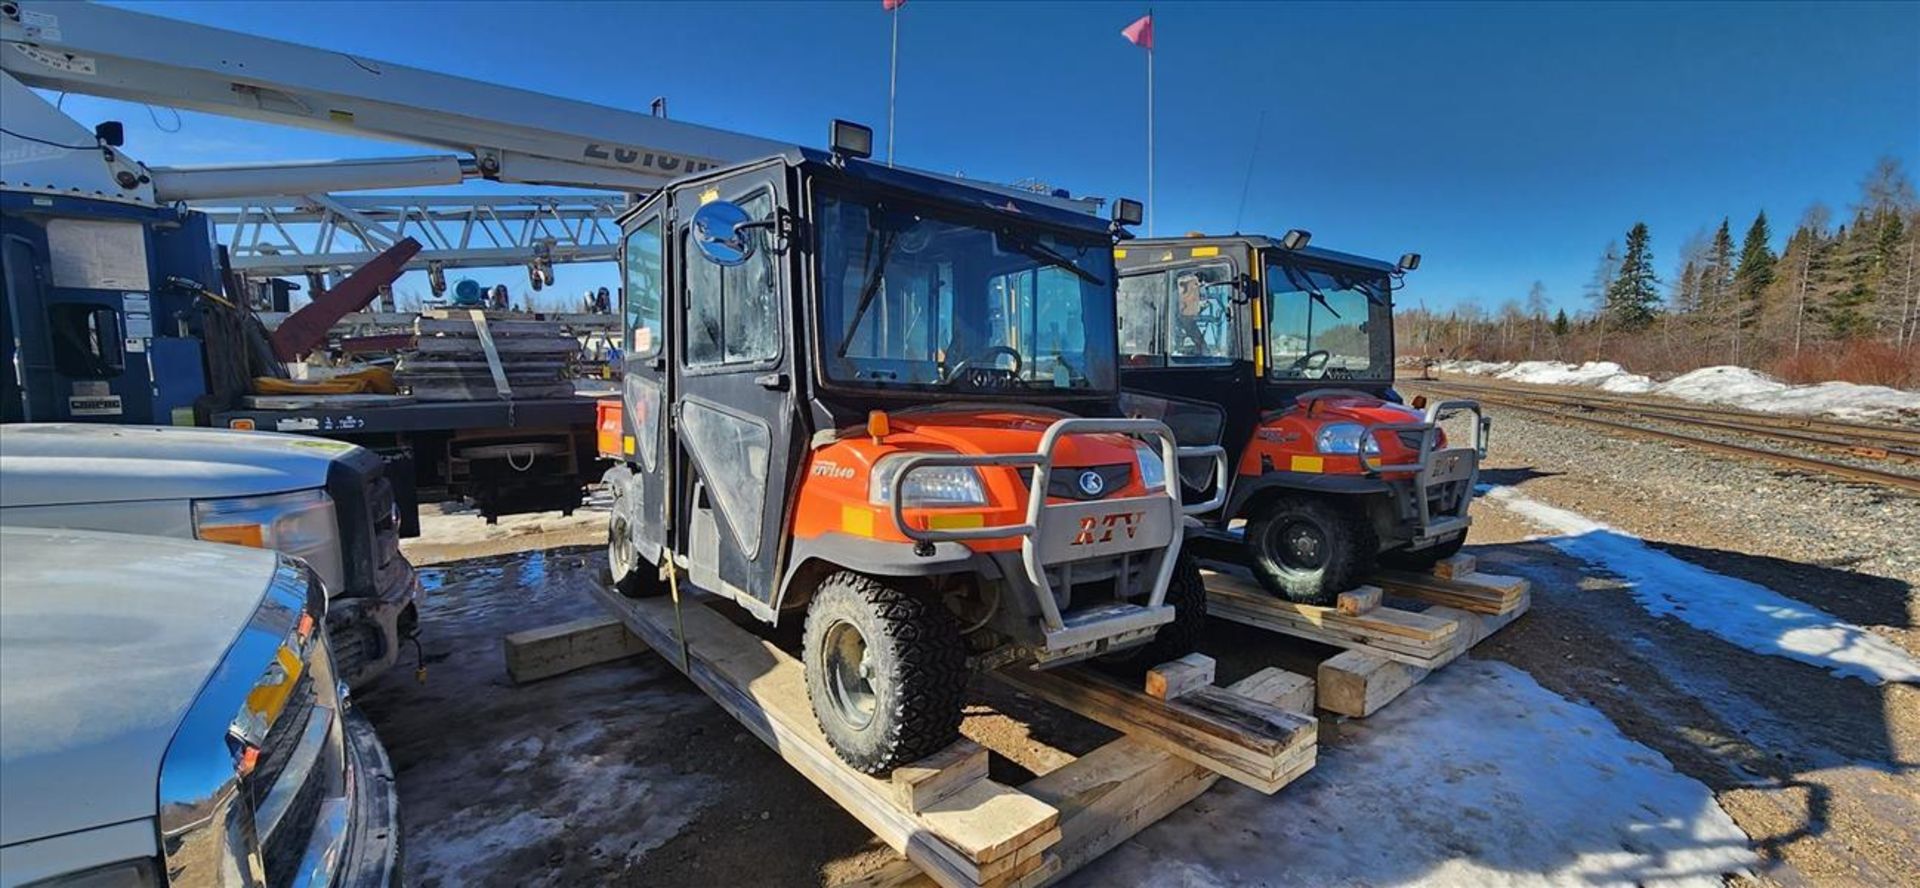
pixel 1823 773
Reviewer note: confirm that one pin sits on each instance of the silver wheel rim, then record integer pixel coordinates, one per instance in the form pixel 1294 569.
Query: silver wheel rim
pixel 849 672
pixel 619 550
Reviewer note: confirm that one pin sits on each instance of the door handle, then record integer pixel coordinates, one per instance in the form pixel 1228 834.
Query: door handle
pixel 772 381
pixel 660 363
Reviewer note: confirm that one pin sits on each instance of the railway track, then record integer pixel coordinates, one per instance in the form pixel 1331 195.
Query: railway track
pixel 1860 440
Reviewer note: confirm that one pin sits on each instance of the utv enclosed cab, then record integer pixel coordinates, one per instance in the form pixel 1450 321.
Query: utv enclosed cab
pixel 891 399
pixel 1284 357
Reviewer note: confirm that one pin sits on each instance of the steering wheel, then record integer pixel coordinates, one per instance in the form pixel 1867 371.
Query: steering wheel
pixel 966 364
pixel 1306 365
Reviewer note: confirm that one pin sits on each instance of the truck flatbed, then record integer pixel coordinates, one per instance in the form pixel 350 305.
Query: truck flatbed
pixel 415 417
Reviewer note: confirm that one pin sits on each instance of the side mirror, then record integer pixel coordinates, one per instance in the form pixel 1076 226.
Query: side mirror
pixel 1409 261
pixel 720 231
pixel 1127 212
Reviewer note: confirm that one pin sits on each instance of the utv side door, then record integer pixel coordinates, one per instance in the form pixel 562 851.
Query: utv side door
pixel 734 404
pixel 645 398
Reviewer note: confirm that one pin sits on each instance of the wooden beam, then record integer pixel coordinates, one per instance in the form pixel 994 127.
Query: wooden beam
pixel 1290 691
pixel 1358 683
pixel 1419 639
pixel 552 650
pixel 1358 601
pixel 1112 793
pixel 1477 592
pixel 1169 680
pixel 1250 742
pixel 959 840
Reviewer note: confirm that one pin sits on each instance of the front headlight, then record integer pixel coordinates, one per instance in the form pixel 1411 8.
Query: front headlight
pixel 930 486
pixel 1153 470
pixel 300 523
pixel 1345 437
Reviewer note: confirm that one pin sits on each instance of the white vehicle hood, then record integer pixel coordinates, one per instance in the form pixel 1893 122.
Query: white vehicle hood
pixel 105 640
pixel 56 464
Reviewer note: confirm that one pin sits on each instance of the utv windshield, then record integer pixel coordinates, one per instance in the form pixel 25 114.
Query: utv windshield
pixel 914 295
pixel 1328 324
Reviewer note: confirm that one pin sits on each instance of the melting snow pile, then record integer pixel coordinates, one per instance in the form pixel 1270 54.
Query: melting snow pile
pixel 1746 614
pixel 1732 386
pixel 1478 776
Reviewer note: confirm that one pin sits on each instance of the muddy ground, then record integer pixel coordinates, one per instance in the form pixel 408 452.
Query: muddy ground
pixel 1630 748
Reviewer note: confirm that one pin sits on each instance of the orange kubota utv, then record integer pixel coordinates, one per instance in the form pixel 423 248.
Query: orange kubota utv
pixel 888 401
pixel 1283 355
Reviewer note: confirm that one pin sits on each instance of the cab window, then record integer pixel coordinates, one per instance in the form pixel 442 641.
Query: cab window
pixel 732 315
pixel 1179 317
pixel 641 261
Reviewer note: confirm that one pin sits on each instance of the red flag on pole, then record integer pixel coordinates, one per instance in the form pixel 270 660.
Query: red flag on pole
pixel 891 5
pixel 1140 33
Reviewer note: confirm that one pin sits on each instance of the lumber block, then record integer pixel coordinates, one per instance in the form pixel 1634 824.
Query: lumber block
pixel 1478 592
pixel 1290 691
pixel 1357 683
pixel 919 785
pixel 1359 601
pixel 1169 680
pixel 1112 793
pixel 1248 741
pixel 1454 567
pixel 1418 639
pixel 552 650
pixel 959 840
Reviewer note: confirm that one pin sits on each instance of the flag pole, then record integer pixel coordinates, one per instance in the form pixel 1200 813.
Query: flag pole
pixel 893 79
pixel 1150 130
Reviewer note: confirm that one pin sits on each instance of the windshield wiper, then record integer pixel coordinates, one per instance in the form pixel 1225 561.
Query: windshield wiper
pixel 1036 250
pixel 1298 279
pixel 874 277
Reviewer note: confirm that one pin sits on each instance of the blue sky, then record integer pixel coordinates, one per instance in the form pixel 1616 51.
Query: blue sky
pixel 1506 142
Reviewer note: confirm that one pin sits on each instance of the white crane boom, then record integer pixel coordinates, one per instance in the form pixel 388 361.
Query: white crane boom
pixel 513 135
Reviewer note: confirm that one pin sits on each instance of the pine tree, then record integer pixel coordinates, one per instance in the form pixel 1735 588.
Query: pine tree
pixel 1751 279
pixel 1716 279
pixel 1560 324
pixel 1634 296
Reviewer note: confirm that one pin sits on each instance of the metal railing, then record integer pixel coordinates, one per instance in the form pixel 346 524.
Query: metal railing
pixel 1041 461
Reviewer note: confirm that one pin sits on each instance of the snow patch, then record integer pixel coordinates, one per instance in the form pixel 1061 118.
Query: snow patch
pixel 1477 776
pixel 1599 374
pixel 1752 390
pixel 1746 614
pixel 1729 385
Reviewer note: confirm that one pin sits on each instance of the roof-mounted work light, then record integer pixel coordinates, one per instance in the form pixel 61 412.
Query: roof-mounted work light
pixel 1127 212
pixel 852 140
pixel 1409 261
pixel 1295 238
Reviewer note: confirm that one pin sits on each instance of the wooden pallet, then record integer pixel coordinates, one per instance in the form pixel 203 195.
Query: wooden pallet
pixel 953 824
pixel 1388 649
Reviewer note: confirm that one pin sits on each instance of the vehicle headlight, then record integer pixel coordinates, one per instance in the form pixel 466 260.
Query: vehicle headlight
pixel 1153 470
pixel 1345 437
pixel 930 486
pixel 138 873
pixel 300 523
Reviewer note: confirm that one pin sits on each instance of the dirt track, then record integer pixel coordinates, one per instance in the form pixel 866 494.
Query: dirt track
pixel 625 773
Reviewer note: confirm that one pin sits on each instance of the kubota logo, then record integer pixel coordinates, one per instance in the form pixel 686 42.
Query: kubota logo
pixel 1101 528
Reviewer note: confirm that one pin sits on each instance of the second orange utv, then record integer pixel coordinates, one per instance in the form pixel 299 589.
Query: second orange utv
pixel 1283 354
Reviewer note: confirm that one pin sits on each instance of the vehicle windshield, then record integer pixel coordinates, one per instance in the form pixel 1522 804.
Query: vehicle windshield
pixel 913 295
pixel 1328 324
